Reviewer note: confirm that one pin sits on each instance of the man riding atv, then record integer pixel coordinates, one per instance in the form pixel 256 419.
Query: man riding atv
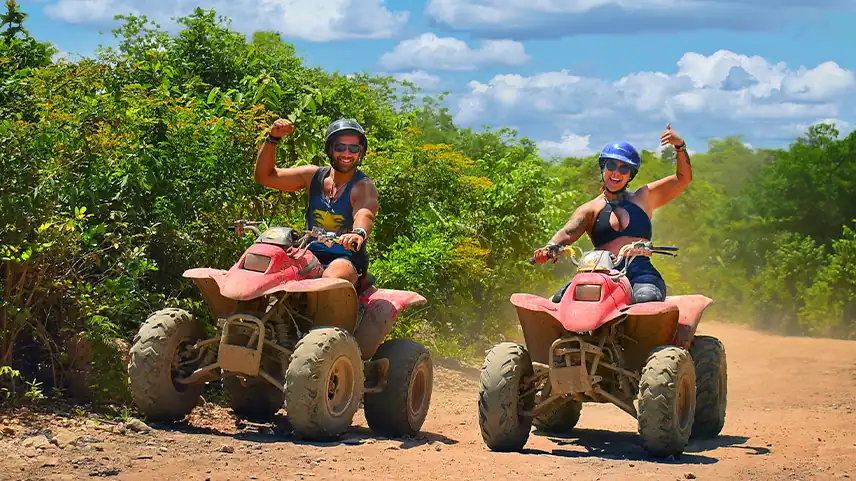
pixel 618 217
pixel 342 199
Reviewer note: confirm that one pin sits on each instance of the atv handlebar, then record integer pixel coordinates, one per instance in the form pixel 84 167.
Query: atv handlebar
pixel 323 236
pixel 317 234
pixel 646 247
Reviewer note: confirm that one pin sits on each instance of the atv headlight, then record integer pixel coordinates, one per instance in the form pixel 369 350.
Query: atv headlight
pixel 257 263
pixel 587 292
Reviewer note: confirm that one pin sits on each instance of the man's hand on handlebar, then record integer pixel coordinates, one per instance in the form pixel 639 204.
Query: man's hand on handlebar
pixel 351 241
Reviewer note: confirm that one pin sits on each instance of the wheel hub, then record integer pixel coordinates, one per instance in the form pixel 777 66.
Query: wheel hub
pixel 340 386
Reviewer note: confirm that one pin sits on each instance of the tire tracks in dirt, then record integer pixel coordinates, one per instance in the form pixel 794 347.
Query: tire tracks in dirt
pixel 791 416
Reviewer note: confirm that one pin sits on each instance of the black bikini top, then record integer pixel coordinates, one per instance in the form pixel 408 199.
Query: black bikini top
pixel 639 225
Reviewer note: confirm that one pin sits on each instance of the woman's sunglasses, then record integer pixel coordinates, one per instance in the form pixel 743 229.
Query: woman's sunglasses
pixel 352 148
pixel 612 165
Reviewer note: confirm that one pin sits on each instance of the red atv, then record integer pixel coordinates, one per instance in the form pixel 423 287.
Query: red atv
pixel 287 338
pixel 595 346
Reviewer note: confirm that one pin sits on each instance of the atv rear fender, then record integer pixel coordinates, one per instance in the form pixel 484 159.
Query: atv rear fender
pixel 382 308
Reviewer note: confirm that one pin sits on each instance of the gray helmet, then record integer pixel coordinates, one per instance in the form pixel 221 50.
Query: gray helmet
pixel 345 125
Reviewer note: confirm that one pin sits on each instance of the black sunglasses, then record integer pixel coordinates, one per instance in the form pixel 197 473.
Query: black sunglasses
pixel 612 164
pixel 352 148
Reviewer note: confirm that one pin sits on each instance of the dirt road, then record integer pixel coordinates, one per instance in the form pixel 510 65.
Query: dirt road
pixel 790 417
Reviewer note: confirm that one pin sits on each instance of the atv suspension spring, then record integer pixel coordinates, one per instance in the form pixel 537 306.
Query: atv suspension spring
pixel 282 335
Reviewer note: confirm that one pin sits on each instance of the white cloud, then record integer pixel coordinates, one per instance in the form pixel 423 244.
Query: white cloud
pixel 557 18
pixel 420 78
pixel 315 20
pixel 430 52
pixel 824 81
pixel 707 96
pixel 571 145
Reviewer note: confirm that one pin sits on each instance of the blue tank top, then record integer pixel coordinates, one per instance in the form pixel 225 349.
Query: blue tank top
pixel 336 216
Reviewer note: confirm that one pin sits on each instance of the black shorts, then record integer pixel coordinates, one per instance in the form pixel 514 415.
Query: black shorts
pixel 359 260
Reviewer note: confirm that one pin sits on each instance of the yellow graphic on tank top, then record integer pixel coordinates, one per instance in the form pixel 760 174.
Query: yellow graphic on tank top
pixel 328 220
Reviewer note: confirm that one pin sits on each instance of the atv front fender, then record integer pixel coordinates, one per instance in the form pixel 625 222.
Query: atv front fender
pixel 208 282
pixel 331 301
pixel 540 324
pixel 382 308
pixel 691 307
pixel 652 324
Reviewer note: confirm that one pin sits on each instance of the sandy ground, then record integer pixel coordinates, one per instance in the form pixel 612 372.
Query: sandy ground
pixel 790 417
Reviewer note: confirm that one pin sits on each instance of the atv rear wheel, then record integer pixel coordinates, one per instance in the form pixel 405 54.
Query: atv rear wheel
pixel 153 366
pixel 324 383
pixel 254 400
pixel 503 395
pixel 560 416
pixel 667 399
pixel 401 408
pixel 711 386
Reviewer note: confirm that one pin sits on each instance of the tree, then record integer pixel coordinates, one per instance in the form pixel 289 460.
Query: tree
pixel 13 21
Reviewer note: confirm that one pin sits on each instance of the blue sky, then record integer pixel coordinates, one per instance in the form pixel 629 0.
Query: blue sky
pixel 570 74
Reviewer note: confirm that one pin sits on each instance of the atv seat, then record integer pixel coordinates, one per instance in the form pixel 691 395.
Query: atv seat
pixel 365 282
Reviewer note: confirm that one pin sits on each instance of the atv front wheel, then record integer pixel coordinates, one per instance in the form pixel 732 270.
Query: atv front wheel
pixel 254 400
pixel 711 386
pixel 504 395
pixel 401 408
pixel 324 383
pixel 667 400
pixel 153 366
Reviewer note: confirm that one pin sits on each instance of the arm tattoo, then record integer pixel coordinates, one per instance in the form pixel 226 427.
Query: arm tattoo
pixel 575 226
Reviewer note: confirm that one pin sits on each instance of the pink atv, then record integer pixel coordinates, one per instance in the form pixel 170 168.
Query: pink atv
pixel 286 338
pixel 595 346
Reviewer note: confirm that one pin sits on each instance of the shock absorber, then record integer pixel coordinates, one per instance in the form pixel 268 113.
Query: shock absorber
pixel 282 334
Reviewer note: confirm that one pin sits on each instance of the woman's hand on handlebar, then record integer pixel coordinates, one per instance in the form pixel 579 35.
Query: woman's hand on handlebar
pixel 635 252
pixel 545 253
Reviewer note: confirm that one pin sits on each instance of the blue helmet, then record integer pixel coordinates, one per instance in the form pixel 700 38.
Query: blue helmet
pixel 621 151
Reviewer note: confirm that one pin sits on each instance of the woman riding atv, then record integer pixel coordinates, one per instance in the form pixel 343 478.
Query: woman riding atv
pixel 618 217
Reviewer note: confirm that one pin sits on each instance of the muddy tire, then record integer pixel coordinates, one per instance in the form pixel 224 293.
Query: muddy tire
pixel 150 367
pixel 711 386
pixel 667 399
pixel 559 417
pixel 324 383
pixel 503 379
pixel 255 400
pixel 401 408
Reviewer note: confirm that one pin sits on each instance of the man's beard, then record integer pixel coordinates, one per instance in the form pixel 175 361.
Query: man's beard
pixel 341 167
